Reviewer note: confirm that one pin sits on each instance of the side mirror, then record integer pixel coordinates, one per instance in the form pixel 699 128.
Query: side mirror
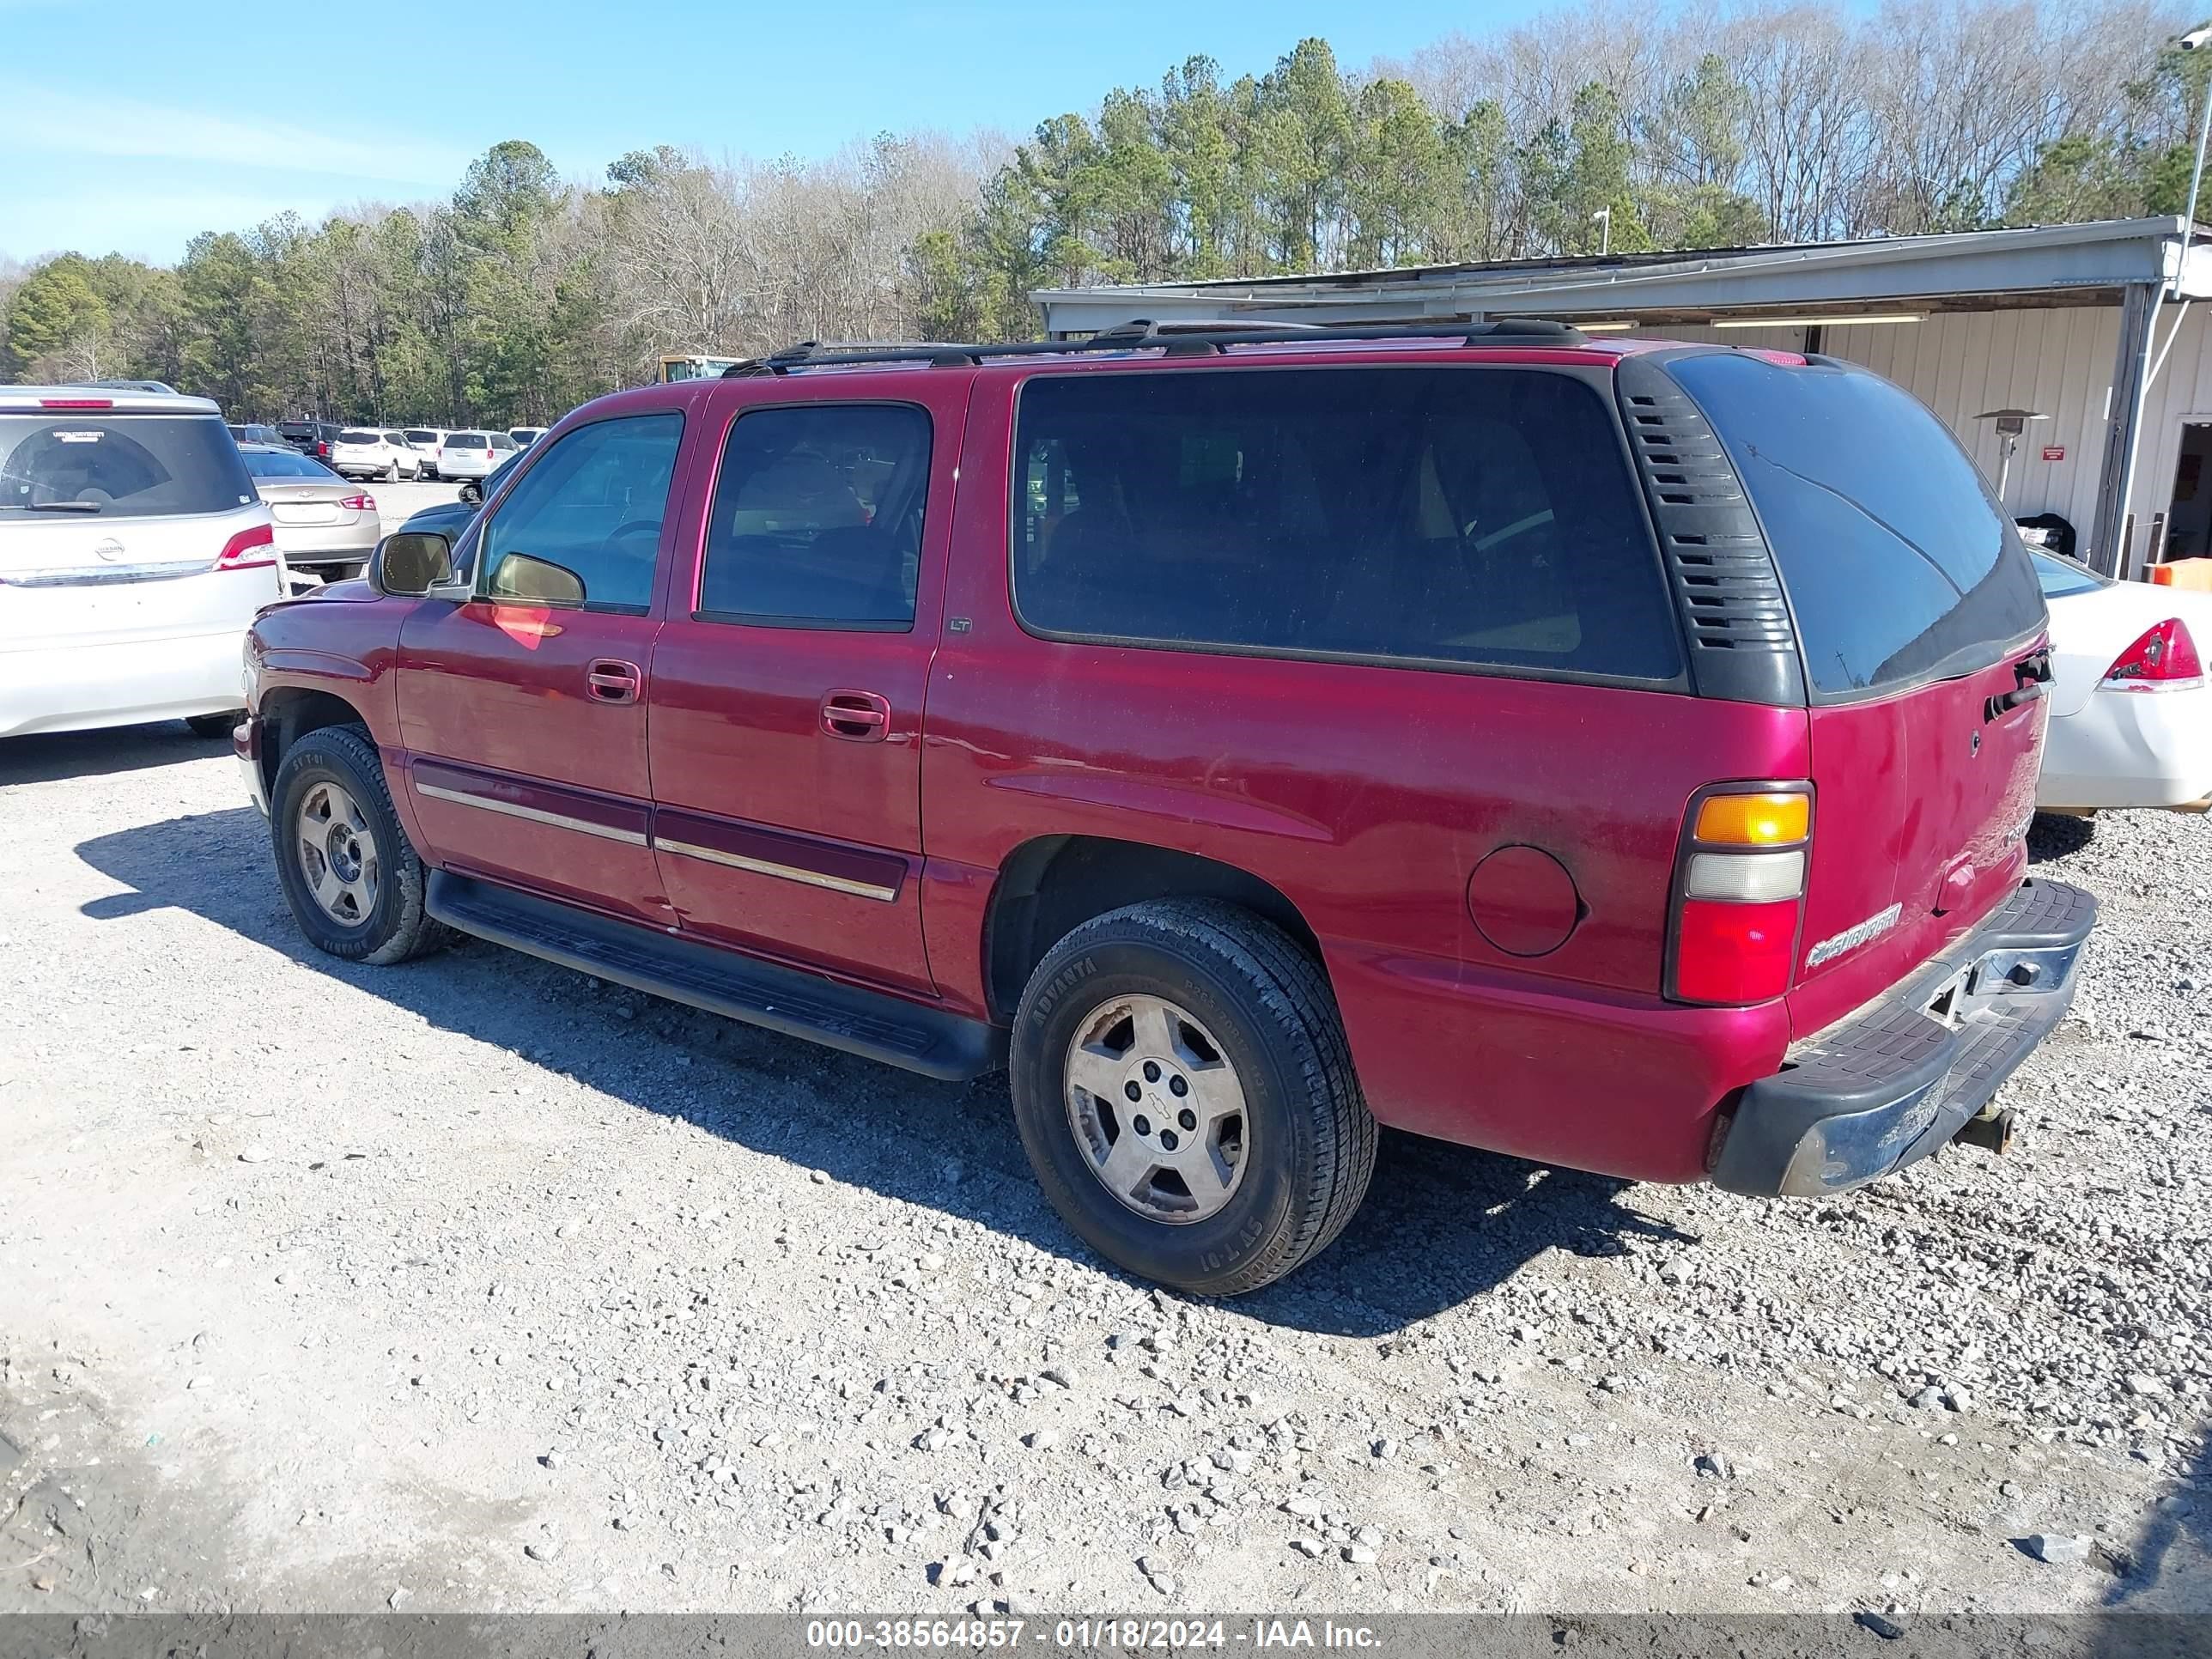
pixel 410 563
pixel 522 579
pixel 471 492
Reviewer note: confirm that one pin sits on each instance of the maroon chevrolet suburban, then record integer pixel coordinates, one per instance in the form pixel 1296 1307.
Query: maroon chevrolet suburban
pixel 1617 755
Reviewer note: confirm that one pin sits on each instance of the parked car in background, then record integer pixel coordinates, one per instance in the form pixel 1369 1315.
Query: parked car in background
pixel 473 454
pixel 365 453
pixel 524 436
pixel 449 518
pixel 2130 710
pixel 326 527
pixel 134 552
pixel 251 432
pixel 310 437
pixel 1599 760
pixel 424 441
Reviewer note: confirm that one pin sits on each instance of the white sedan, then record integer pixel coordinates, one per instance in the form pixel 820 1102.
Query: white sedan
pixel 2130 710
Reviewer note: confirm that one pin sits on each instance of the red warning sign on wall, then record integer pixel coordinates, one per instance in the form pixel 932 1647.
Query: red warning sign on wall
pixel 2054 452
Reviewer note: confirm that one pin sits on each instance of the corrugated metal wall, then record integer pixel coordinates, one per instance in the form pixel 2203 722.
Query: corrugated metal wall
pixel 2059 362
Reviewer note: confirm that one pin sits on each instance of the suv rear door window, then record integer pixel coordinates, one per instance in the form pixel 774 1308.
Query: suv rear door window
pixel 120 466
pixel 593 504
pixel 1466 514
pixel 1898 565
pixel 817 518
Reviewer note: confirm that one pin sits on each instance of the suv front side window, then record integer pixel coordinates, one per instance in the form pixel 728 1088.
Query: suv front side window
pixel 591 504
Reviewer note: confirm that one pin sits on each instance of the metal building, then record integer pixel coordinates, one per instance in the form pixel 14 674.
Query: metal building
pixel 2089 327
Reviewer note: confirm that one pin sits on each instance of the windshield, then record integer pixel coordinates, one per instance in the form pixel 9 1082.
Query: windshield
pixel 120 465
pixel 286 464
pixel 417 436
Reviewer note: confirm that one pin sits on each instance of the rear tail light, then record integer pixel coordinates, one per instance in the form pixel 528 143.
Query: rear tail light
pixel 249 549
pixel 359 503
pixel 2164 659
pixel 322 448
pixel 1738 893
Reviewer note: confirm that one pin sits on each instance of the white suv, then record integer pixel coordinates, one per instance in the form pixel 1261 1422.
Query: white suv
pixel 365 453
pixel 134 552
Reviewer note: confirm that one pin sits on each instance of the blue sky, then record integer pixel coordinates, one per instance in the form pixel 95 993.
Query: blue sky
pixel 129 125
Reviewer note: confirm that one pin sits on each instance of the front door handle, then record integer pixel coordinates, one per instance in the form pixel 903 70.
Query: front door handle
pixel 609 679
pixel 856 716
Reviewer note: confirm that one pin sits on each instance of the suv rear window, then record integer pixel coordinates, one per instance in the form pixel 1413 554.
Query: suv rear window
pixel 120 466
pixel 467 441
pixel 420 435
pixel 1466 514
pixel 1898 565
pixel 350 437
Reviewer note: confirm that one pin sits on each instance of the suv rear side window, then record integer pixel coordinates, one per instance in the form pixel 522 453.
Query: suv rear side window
pixel 1451 515
pixel 119 466
pixel 593 504
pixel 817 518
pixel 1898 565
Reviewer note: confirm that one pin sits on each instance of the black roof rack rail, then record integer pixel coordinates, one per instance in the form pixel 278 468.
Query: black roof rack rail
pixel 1176 339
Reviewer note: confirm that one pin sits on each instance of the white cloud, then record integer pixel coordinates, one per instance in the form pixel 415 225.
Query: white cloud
pixel 44 118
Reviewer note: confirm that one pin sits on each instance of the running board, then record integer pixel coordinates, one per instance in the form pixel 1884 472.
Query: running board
pixel 947 1046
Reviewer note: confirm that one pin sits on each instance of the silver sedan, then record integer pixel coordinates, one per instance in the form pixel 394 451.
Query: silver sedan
pixel 326 526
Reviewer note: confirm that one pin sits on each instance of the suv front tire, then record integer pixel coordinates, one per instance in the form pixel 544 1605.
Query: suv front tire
pixel 352 879
pixel 1186 1096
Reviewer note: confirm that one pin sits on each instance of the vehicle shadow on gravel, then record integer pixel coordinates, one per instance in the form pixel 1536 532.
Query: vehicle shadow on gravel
pixel 1442 1224
pixel 53 756
pixel 2169 1567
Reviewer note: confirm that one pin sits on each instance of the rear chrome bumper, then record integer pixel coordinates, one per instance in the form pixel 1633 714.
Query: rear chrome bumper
pixel 1899 1080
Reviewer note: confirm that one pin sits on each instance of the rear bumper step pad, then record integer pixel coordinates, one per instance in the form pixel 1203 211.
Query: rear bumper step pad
pixel 1899 1078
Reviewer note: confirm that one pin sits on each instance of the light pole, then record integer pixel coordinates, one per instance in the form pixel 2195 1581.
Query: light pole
pixel 2195 40
pixel 1603 217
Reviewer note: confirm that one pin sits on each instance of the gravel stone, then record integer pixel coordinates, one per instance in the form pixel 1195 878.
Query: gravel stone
pixel 496 1177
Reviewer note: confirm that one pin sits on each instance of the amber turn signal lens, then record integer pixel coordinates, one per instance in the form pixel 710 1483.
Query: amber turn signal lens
pixel 1775 820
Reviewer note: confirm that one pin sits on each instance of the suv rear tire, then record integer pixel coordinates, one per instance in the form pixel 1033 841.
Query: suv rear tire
pixel 1186 1096
pixel 353 880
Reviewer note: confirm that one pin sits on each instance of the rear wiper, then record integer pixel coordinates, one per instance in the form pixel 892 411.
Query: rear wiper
pixel 52 506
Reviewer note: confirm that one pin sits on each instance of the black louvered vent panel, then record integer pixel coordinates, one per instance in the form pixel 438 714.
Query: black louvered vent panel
pixel 1742 645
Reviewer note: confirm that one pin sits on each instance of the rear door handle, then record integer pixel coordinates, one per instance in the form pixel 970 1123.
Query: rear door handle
pixel 609 679
pixel 856 716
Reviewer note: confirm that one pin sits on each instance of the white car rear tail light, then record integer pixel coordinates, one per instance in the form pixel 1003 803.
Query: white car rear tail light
pixel 2164 659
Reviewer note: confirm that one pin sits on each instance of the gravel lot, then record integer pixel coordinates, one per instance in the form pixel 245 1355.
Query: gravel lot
pixel 477 1285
